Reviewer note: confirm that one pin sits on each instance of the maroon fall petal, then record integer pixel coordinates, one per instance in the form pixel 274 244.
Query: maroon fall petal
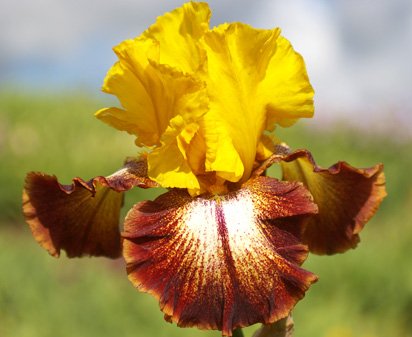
pixel 221 262
pixel 81 218
pixel 347 198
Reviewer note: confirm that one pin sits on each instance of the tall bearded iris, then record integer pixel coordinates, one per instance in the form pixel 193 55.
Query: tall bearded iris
pixel 222 249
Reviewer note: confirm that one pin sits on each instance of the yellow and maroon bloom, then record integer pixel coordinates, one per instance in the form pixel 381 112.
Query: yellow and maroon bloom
pixel 223 248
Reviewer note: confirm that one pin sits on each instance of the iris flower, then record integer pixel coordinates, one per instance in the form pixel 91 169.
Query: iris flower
pixel 223 247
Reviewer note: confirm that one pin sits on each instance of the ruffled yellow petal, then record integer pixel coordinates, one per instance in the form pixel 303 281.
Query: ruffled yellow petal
pixel 286 89
pixel 249 73
pixel 125 121
pixel 132 80
pixel 178 33
pixel 150 93
pixel 168 164
pixel 168 167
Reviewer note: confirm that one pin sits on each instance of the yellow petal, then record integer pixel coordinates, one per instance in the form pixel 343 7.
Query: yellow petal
pixel 178 33
pixel 151 94
pixel 185 137
pixel 168 164
pixel 246 95
pixel 129 81
pixel 168 167
pixel 286 88
pixel 126 121
pixel 196 153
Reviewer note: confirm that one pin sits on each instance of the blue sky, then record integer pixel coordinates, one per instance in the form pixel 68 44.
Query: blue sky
pixel 357 52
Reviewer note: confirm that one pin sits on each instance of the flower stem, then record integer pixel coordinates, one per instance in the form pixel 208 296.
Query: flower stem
pixel 238 333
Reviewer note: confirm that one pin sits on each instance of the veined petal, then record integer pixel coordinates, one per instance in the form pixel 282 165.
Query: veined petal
pixel 178 33
pixel 151 94
pixel 221 262
pixel 347 198
pixel 81 218
pixel 255 80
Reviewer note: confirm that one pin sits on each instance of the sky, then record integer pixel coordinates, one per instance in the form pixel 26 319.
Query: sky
pixel 357 52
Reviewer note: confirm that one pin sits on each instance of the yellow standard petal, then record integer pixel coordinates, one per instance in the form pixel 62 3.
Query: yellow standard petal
pixel 154 95
pixel 151 94
pixel 132 79
pixel 168 164
pixel 178 33
pixel 254 80
pixel 286 88
pixel 162 99
pixel 202 99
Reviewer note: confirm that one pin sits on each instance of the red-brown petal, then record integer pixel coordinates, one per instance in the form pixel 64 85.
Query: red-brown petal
pixel 347 198
pixel 221 262
pixel 81 218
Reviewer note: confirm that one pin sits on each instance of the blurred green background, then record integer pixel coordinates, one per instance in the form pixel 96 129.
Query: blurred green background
pixel 364 292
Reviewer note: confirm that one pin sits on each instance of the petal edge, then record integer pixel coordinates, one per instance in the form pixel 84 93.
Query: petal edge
pixel 347 198
pixel 81 218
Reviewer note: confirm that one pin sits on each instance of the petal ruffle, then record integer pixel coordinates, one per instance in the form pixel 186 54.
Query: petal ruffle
pixel 221 262
pixel 81 218
pixel 286 88
pixel 163 109
pixel 347 198
pixel 178 33
pixel 130 79
pixel 168 164
pixel 255 80
pixel 150 93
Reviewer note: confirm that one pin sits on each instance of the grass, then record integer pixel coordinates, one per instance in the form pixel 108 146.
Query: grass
pixel 364 292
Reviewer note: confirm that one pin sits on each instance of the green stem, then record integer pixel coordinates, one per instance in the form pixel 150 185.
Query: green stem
pixel 238 333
